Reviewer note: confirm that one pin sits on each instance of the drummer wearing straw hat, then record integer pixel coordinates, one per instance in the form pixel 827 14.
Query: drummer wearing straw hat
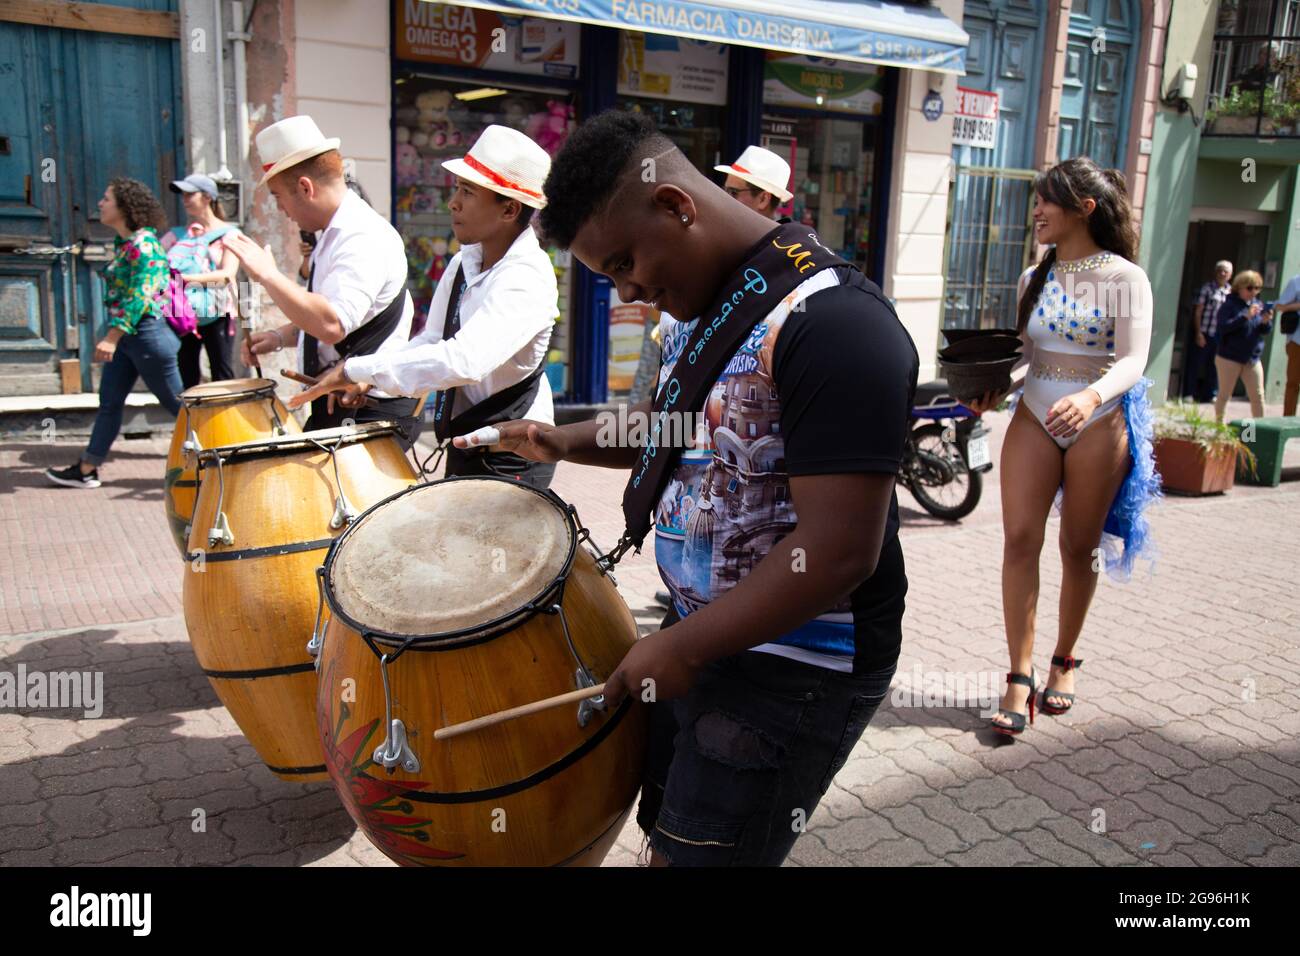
pixel 758 180
pixel 484 348
pixel 355 302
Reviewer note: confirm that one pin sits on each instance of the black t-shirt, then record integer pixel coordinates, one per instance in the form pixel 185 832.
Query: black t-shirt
pixel 824 389
pixel 845 370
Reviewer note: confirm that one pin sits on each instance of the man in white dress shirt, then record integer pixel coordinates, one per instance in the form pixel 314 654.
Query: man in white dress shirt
pixel 355 302
pixel 484 348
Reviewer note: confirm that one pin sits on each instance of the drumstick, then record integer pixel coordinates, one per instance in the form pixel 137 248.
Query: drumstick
pixel 501 716
pixel 298 377
pixel 308 380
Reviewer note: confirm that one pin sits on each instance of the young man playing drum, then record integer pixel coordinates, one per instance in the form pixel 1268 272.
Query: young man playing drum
pixel 355 302
pixel 780 547
pixel 490 321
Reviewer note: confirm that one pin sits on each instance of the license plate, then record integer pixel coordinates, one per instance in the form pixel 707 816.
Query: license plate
pixel 977 452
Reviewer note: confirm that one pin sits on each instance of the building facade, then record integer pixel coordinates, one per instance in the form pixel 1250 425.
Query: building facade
pixel 916 161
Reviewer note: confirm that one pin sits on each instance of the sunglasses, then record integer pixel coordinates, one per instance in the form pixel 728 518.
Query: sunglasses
pixel 733 192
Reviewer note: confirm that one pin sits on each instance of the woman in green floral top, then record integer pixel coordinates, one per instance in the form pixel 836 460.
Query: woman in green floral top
pixel 139 342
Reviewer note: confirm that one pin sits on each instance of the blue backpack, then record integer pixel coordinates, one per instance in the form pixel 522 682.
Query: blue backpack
pixel 193 254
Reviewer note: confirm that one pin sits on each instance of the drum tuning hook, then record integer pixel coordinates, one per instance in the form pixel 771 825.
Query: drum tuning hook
pixel 394 751
pixel 191 445
pixel 592 704
pixel 344 513
pixel 221 533
pixel 317 634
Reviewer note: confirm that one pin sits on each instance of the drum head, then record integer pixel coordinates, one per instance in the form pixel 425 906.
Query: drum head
pixel 449 556
pixel 233 388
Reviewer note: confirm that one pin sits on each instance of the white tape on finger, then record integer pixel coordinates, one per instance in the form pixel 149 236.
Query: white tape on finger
pixel 487 435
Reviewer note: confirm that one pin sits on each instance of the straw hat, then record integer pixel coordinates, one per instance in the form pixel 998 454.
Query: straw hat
pixel 505 161
pixel 289 142
pixel 762 168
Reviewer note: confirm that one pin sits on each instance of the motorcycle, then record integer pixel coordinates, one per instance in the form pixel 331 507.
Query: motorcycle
pixel 946 453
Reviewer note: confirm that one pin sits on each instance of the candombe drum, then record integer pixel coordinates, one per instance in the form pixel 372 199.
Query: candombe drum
pixel 452 601
pixel 214 414
pixel 266 512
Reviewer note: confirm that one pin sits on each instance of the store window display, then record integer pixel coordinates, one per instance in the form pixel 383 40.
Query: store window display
pixel 437 119
pixel 833 181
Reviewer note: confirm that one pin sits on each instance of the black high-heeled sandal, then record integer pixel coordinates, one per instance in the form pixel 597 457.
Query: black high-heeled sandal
pixel 1066 664
pixel 1017 725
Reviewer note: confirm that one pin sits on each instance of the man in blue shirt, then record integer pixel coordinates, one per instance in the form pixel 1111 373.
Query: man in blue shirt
pixel 1199 379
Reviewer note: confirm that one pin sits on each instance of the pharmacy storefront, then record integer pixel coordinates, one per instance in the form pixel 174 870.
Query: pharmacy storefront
pixel 816 82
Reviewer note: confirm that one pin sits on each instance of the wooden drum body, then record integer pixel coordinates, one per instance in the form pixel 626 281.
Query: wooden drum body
pixel 217 414
pixel 461 579
pixel 251 597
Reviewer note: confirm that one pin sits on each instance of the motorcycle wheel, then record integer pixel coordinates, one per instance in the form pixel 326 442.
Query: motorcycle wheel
pixel 929 442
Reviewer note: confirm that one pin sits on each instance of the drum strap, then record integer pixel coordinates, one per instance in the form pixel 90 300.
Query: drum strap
pixel 785 257
pixel 363 340
pixel 510 403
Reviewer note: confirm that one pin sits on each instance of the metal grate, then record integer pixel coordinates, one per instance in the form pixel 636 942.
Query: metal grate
pixel 987 245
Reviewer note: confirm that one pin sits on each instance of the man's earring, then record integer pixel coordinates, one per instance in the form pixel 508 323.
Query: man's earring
pixel 685 219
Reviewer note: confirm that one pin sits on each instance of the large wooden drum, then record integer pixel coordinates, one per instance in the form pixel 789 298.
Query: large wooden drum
pixel 215 414
pixel 450 601
pixel 266 512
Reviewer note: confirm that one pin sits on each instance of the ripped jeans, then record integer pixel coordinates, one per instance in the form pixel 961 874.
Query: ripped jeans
pixel 735 769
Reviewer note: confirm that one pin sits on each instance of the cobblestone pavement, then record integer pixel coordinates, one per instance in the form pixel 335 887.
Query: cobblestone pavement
pixel 1181 750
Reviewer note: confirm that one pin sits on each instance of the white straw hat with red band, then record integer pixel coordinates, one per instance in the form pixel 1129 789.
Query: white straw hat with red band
pixel 289 142
pixel 762 168
pixel 505 161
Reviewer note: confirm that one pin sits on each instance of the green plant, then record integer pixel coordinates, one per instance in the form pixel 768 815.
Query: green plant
pixel 1184 421
pixel 1241 102
pixel 1238 102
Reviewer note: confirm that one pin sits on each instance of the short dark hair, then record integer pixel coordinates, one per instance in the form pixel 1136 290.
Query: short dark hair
pixel 139 206
pixel 585 173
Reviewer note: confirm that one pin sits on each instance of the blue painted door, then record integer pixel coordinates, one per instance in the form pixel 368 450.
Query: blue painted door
pixel 988 231
pixel 1098 81
pixel 76 109
pixel 1005 56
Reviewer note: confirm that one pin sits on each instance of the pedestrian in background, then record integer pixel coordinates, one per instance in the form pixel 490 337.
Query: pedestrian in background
pixel 1244 324
pixel 1287 306
pixel 139 342
pixel 198 252
pixel 1199 376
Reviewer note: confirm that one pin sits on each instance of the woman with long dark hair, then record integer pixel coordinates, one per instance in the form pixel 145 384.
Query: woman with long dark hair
pixel 1083 425
pixel 139 342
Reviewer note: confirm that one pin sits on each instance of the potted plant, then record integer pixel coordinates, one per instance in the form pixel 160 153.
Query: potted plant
pixel 1236 113
pixel 1196 455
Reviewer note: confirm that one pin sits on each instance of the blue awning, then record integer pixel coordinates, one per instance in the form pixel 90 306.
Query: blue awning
pixel 863 31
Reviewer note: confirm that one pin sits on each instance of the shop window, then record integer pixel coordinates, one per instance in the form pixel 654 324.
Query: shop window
pixel 432 122
pixel 833 178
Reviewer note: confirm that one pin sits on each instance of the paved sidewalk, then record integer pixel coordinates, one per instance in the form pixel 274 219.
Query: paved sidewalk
pixel 1181 750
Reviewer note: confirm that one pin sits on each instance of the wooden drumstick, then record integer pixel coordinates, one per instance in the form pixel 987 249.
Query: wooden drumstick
pixel 308 380
pixel 501 716
pixel 297 376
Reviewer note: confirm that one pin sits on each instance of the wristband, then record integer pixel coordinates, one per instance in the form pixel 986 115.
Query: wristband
pixel 279 340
